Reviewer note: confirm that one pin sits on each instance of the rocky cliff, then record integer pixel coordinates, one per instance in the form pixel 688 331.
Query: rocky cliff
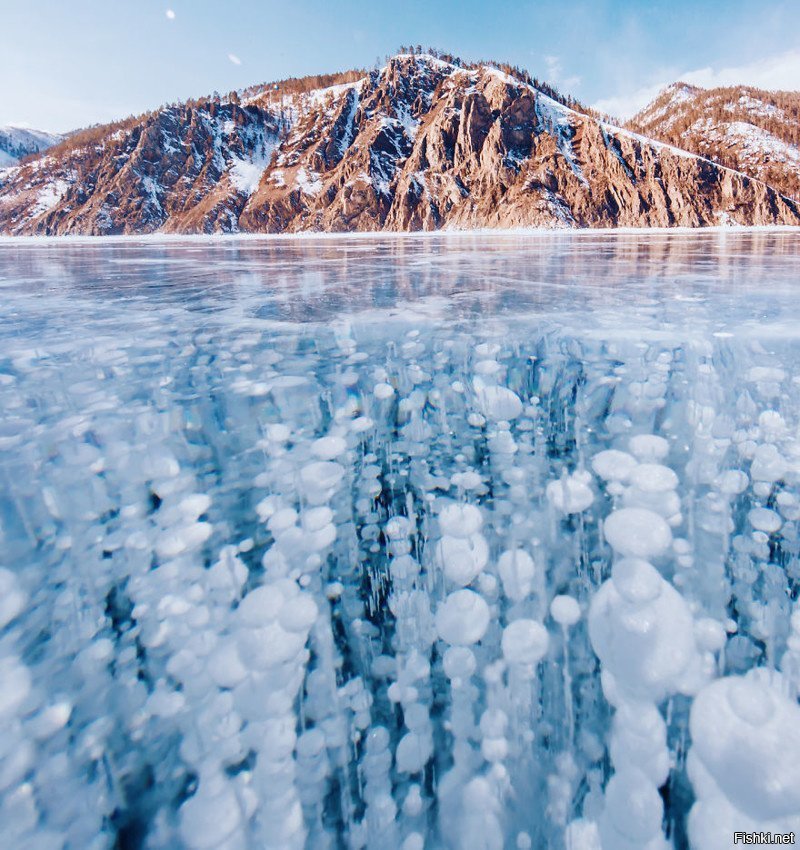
pixel 422 144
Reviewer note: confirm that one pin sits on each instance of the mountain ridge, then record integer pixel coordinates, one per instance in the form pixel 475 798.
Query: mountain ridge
pixel 420 144
pixel 751 130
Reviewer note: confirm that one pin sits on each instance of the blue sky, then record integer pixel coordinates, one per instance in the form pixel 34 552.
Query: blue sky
pixel 68 64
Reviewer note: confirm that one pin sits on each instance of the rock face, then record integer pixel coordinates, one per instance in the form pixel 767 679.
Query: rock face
pixel 753 131
pixel 421 144
pixel 186 168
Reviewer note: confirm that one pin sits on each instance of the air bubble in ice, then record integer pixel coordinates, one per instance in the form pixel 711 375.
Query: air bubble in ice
pixel 462 619
pixel 517 570
pixel 637 532
pixel 614 465
pixel 565 610
pixel 524 642
pixel 648 448
pixel 571 494
pixel 498 403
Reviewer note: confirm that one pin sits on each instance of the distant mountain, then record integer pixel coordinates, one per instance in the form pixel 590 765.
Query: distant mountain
pixel 753 131
pixel 420 144
pixel 19 142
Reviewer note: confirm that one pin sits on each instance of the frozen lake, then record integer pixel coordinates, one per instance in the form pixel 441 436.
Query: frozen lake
pixel 464 542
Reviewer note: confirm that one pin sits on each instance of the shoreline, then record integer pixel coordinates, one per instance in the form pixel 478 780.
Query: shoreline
pixel 532 232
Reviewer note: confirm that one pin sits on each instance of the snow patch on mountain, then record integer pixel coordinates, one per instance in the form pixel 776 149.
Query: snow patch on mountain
pixel 755 107
pixel 153 190
pixel 319 97
pixel 407 121
pixel 350 123
pixel 754 142
pixel 50 196
pixel 245 173
pixel 309 182
pixel 556 120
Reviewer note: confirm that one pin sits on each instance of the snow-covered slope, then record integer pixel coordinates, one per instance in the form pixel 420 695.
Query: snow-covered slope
pixel 754 131
pixel 19 142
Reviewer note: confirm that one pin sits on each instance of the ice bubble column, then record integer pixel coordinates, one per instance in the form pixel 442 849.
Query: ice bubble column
pixel 313 769
pixel 182 609
pixel 524 644
pixel 462 551
pixel 19 810
pixel 263 662
pixel 272 643
pixel 412 644
pixel 47 797
pixel 307 475
pixel 790 663
pixel 744 762
pixel 499 405
pixel 379 826
pixel 459 666
pixel 642 630
pixel 714 488
pixel 635 674
pixel 565 610
pixel 216 815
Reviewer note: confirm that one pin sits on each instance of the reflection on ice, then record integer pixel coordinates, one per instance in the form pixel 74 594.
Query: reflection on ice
pixel 482 543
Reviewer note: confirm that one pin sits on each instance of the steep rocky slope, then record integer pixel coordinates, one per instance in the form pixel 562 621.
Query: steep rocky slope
pixel 191 162
pixel 420 144
pixel 753 131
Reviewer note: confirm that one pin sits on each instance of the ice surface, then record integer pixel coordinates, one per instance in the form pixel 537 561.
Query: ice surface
pixel 423 543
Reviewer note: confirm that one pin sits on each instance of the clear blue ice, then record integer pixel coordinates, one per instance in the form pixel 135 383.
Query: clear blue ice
pixel 465 542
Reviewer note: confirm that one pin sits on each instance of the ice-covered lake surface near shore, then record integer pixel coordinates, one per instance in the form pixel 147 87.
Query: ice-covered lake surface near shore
pixel 470 543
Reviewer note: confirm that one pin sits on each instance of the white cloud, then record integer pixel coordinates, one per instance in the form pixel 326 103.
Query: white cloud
pixel 627 105
pixel 553 65
pixel 170 14
pixel 776 72
pixel 234 58
pixel 554 71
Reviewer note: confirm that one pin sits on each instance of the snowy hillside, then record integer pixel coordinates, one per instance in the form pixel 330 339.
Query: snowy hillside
pixel 19 142
pixel 753 131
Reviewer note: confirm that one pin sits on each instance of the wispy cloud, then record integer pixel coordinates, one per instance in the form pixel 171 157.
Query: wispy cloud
pixel 556 76
pixel 234 58
pixel 776 72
